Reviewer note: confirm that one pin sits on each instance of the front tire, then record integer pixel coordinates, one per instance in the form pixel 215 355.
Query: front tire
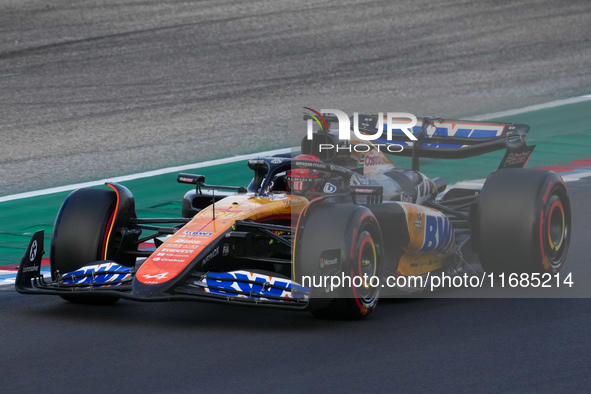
pixel 342 240
pixel 80 235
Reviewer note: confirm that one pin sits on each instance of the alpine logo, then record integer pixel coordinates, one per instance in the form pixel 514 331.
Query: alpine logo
pixel 162 275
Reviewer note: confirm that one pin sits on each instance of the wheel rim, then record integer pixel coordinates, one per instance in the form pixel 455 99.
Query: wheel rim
pixel 556 233
pixel 556 226
pixel 367 265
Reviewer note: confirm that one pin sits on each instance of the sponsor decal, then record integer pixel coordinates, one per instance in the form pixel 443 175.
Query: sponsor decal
pixel 187 241
pixel 326 262
pixel 372 160
pixel 181 255
pixel 405 198
pixel 329 188
pixel 172 260
pixel 361 160
pixel 276 161
pixel 254 285
pixel 307 164
pixel 197 233
pixel 33 252
pixel 32 268
pixel 418 222
pixel 226 250
pixel 192 236
pixel 187 249
pixel 516 158
pixel 426 263
pixel 438 234
pixel 329 258
pixel 210 256
pixel 185 179
pixel 81 276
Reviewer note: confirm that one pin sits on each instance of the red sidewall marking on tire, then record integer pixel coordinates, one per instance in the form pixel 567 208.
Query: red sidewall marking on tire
pixel 360 306
pixel 103 255
pixel 366 240
pixel 544 261
pixel 110 227
pixel 547 194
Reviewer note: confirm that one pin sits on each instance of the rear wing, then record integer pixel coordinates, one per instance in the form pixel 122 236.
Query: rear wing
pixel 439 138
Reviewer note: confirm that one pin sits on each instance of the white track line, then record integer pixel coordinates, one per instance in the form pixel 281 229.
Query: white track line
pixel 575 176
pixel 146 174
pixel 531 108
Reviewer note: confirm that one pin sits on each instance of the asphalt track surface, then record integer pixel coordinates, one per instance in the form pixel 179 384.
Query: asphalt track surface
pixel 96 89
pixel 406 345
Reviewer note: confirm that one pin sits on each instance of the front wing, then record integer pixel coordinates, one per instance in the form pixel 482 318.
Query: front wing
pixel 109 279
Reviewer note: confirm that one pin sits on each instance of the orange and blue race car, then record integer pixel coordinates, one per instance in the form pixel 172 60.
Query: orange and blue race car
pixel 339 210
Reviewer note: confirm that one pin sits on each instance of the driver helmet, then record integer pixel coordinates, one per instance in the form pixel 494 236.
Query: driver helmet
pixel 303 181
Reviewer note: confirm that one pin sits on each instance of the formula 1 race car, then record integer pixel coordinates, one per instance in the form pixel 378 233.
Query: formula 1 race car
pixel 339 209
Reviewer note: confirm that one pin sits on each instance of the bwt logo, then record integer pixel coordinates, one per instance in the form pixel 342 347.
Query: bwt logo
pixel 393 122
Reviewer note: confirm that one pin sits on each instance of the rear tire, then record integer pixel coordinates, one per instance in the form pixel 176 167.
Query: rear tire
pixel 522 222
pixel 351 235
pixel 80 236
